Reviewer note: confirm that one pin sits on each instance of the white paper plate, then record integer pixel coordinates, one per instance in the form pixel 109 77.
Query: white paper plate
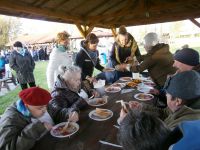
pixel 121 85
pixel 112 89
pixel 144 88
pixel 109 69
pixel 148 97
pixel 54 133
pixel 125 79
pixel 93 102
pixel 97 118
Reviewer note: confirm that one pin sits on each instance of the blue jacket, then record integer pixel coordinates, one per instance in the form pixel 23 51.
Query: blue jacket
pixel 2 63
pixel 191 136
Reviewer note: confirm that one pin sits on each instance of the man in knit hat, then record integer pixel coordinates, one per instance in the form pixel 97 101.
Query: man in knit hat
pixel 182 89
pixel 186 59
pixel 20 127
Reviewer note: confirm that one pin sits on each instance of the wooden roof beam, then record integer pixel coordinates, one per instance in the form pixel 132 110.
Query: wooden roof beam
pixel 159 19
pixel 195 22
pixel 84 30
pixel 20 7
pixel 140 6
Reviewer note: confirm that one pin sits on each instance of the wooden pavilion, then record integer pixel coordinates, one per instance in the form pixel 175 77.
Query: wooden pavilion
pixel 87 14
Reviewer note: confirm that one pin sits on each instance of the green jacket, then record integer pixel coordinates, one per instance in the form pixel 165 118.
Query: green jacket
pixel 172 119
pixel 158 62
pixel 183 114
pixel 18 132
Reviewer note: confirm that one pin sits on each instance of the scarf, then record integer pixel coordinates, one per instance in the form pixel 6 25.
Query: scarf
pixel 62 48
pixel 22 108
pixel 21 52
pixel 93 55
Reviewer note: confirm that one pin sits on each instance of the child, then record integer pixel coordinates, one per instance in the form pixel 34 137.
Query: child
pixel 19 125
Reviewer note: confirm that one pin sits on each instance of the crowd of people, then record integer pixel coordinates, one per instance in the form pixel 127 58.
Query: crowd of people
pixel 142 127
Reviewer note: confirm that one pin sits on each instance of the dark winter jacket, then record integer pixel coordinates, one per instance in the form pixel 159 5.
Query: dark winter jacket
pixel 159 63
pixel 18 132
pixel 23 65
pixel 85 63
pixel 119 54
pixel 64 101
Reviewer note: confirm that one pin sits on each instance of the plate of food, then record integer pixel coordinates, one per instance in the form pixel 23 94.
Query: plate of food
pixel 121 85
pixel 100 114
pixel 131 84
pixel 143 96
pixel 98 101
pixel 109 69
pixel 60 132
pixel 137 81
pixel 112 89
pixel 126 79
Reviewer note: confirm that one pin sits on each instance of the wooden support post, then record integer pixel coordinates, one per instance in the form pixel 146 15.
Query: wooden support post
pixel 84 29
pixel 195 22
pixel 114 31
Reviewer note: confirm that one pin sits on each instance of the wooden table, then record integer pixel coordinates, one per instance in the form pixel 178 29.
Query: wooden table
pixel 91 131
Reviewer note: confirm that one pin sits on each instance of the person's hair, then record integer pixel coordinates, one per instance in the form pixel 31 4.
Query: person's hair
pixel 143 131
pixel 61 36
pixel 122 30
pixel 66 72
pixel 92 38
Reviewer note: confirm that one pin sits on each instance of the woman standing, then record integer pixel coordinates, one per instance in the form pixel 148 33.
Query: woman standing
pixel 22 62
pixel 59 56
pixel 123 51
pixel 87 58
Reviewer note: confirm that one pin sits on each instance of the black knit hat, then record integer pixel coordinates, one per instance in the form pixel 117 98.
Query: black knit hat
pixel 17 44
pixel 187 56
pixel 184 85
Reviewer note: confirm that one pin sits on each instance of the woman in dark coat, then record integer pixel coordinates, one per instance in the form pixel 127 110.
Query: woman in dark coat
pixel 87 58
pixel 66 102
pixel 23 64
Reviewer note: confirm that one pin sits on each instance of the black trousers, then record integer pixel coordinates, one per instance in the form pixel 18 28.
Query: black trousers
pixel 25 86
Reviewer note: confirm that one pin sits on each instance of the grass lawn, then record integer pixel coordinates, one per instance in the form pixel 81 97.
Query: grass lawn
pixel 12 96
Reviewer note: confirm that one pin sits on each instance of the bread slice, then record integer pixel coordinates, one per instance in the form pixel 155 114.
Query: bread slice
pixel 103 113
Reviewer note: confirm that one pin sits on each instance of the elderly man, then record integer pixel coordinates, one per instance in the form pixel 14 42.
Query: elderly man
pixel 158 61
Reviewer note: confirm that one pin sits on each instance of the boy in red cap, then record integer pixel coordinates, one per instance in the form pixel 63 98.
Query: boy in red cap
pixel 20 126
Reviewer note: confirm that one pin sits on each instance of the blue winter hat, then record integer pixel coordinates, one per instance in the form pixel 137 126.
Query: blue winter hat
pixel 187 56
pixel 184 85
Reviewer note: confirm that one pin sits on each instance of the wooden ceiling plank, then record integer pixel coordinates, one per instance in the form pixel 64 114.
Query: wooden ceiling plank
pixel 37 11
pixel 195 22
pixel 61 3
pixel 82 4
pixel 137 10
pixel 43 2
pixel 96 7
pixel 114 4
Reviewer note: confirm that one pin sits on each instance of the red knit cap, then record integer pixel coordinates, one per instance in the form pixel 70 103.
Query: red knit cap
pixel 35 96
